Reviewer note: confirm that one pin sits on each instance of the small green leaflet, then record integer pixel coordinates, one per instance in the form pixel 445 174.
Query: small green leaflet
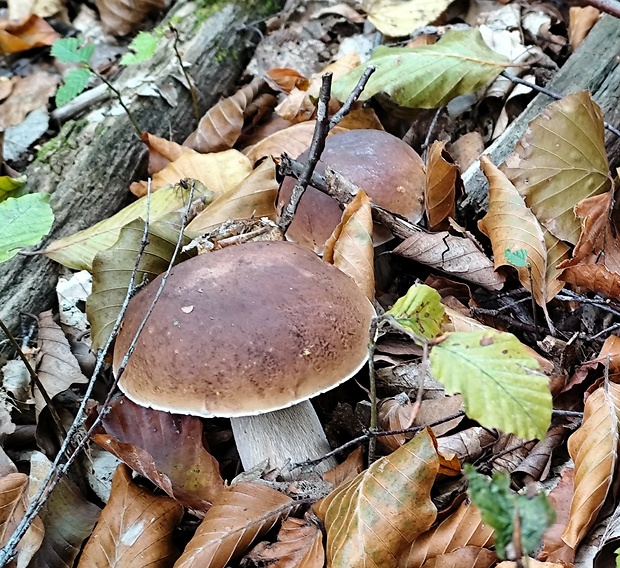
pixel 70 50
pixel 498 378
pixel 76 81
pixel 143 47
pixel 517 258
pixel 24 221
pixel 429 76
pixel 420 311
pixel 11 187
pixel 499 506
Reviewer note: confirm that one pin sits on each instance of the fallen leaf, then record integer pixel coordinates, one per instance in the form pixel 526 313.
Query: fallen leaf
pixel 28 94
pixel 580 22
pixel 162 152
pixel 395 18
pixel 442 175
pixel 22 35
pixel 241 514
pixel 135 528
pixel 468 556
pixel 433 410
pixel 165 448
pixel 287 79
pixel 554 548
pixel 395 413
pixel 420 311
pixel 346 470
pixel 121 17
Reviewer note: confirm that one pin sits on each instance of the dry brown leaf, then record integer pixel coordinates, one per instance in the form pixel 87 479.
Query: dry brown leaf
pixel 221 126
pixel 299 545
pixel 594 277
pixel 22 35
pixel 296 107
pixel 350 247
pixel 57 367
pixel 121 17
pixel 469 444
pixel 593 214
pixel 396 413
pixel 511 226
pixel 374 518
pixel 467 149
pixel 466 557
pixel 581 20
pixel 287 79
pixel 561 160
pixel 162 152
pixel 347 470
pixel 453 255
pixel 463 528
pixel 28 94
pixel 13 490
pixel 554 548
pixel 440 195
pixel 135 528
pixel 254 197
pixel 432 410
pixel 531 563
pixel 293 140
pixel 165 448
pixel 460 322
pixel 240 514
pixel 361 118
pixel 220 172
pixel 594 449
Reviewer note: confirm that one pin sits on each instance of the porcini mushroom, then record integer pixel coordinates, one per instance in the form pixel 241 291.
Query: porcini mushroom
pixel 250 332
pixel 385 167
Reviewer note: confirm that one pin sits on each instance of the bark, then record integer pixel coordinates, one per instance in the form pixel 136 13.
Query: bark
pixel 594 66
pixel 97 156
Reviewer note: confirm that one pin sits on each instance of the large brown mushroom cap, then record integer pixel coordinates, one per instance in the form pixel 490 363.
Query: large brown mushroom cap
pixel 244 330
pixel 385 167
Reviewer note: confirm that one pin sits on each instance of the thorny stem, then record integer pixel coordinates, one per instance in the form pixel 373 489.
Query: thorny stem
pixel 57 469
pixel 192 91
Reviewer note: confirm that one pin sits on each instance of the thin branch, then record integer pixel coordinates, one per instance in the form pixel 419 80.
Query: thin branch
pixel 430 130
pixel 611 7
pixel 372 378
pixel 192 91
pixel 352 98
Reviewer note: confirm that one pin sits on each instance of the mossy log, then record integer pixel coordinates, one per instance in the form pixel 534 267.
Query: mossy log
pixel 88 167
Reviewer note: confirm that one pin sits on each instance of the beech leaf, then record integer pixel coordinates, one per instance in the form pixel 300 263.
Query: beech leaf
pixel 498 379
pixel 395 18
pixel 429 76
pixel 374 518
pixel 442 175
pixel 561 160
pixel 420 311
pixel 120 17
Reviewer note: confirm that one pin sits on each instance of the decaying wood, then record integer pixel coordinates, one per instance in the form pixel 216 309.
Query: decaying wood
pixel 594 66
pixel 97 156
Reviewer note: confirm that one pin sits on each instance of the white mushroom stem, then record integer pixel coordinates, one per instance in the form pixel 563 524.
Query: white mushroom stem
pixel 292 434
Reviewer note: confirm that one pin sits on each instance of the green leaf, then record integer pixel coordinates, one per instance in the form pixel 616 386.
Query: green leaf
pixel 11 187
pixel 517 258
pixel 420 311
pixel 143 47
pixel 497 377
pixel 24 221
pixel 76 81
pixel 617 553
pixel 500 506
pixel 70 50
pixel 429 76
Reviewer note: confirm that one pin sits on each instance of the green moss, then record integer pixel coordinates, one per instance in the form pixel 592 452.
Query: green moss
pixel 69 130
pixel 49 148
pixel 206 8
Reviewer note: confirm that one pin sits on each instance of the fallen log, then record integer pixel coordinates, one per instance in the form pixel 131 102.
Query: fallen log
pixel 88 167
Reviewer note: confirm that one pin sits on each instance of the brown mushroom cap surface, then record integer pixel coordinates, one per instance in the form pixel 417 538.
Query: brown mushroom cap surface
pixel 385 167
pixel 245 330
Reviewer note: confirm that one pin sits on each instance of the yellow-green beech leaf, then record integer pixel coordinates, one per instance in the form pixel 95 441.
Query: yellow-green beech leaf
pixel 77 251
pixel 112 269
pixel 429 76
pixel 498 378
pixel 373 519
pixel 420 311
pixel 10 187
pixel 561 160
pixel 397 18
pixel 24 221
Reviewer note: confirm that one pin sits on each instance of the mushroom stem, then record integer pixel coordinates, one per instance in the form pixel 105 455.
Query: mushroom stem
pixel 291 434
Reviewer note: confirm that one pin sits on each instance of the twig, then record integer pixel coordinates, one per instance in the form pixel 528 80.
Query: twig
pixel 611 7
pixel 570 296
pixel 192 91
pixel 429 132
pixel 372 379
pixel 316 149
pixel 551 94
pixel 57 469
pixel 355 94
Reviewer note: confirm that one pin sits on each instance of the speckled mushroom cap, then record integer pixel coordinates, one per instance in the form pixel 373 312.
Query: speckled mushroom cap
pixel 385 167
pixel 245 330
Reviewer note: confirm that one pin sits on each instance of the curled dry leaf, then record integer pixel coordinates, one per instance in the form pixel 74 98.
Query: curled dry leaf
pixel 135 528
pixel 162 152
pixel 13 490
pixel 594 449
pixel 468 556
pixel 442 175
pixel 560 161
pixel 554 548
pixel 28 94
pixel 255 196
pixel 350 247
pixel 22 35
pixel 240 514
pixel 436 409
pixel 512 227
pixel 299 545
pixel 57 367
pixel 396 413
pixel 391 499
pixel 121 17
pixel 581 20
pixel 347 470
pixel 221 126
pixel 165 448
pixel 287 79
pixel 453 255
pixel 220 172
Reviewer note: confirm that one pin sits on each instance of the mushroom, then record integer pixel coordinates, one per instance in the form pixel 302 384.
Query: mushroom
pixel 385 167
pixel 250 332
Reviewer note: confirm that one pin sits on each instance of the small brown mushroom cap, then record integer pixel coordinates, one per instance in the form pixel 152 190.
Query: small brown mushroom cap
pixel 245 330
pixel 385 167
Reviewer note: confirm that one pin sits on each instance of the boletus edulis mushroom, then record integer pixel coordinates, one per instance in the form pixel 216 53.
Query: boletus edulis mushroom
pixel 250 332
pixel 386 168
